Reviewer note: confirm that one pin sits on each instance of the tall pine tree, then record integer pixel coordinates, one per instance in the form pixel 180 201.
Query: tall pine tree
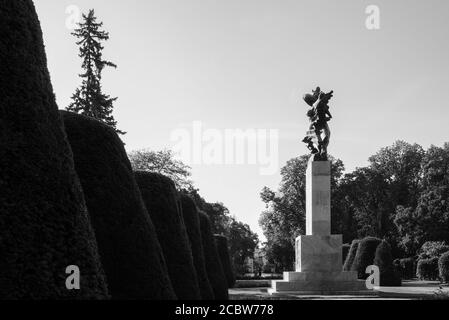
pixel 89 99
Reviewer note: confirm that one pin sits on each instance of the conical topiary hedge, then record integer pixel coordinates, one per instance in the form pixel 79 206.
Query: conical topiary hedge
pixel 351 255
pixel 161 199
pixel 192 223
pixel 44 225
pixel 443 267
pixel 384 260
pixel 213 265
pixel 223 251
pixel 345 250
pixel 127 241
pixel 365 256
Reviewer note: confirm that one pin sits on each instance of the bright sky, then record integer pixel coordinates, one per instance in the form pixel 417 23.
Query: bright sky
pixel 244 64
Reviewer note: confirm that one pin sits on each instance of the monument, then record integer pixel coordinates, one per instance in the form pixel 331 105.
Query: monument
pixel 319 263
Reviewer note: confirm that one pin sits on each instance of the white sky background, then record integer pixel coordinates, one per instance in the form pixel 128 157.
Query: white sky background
pixel 245 64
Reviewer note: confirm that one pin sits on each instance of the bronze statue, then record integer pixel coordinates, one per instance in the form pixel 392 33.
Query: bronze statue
pixel 319 116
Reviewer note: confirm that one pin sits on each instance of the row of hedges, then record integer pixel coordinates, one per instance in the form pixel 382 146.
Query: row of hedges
pixel 372 251
pixel 434 268
pixel 129 248
pixel 192 223
pixel 430 264
pixel 214 267
pixel 433 261
pixel 69 197
pixel 139 218
pixel 365 256
pixel 161 199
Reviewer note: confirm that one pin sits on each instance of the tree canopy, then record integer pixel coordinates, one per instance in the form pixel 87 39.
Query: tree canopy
pixel 162 162
pixel 401 196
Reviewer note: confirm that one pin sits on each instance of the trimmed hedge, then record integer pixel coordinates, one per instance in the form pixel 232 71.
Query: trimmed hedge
pixel 408 268
pixel 192 223
pixel 223 251
pixel 345 250
pixel 365 256
pixel 351 255
pixel 44 225
pixel 427 269
pixel 161 199
pixel 129 249
pixel 432 249
pixel 213 265
pixel 389 277
pixel 443 266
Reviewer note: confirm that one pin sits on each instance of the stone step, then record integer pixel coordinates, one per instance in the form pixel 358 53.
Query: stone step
pixel 318 286
pixel 358 293
pixel 321 276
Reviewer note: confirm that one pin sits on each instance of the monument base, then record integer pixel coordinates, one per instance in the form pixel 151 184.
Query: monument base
pixel 319 283
pixel 319 253
pixel 319 270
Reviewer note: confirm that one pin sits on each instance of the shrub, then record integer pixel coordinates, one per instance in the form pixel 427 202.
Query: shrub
pixel 223 251
pixel 345 250
pixel 427 269
pixel 268 268
pixel 389 277
pixel 44 225
pixel 351 255
pixel 432 249
pixel 192 223
pixel 161 200
pixel 443 266
pixel 397 264
pixel 213 265
pixel 365 256
pixel 129 249
pixel 408 268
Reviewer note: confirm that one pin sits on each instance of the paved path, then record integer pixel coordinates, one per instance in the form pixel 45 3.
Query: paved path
pixel 417 289
pixel 409 291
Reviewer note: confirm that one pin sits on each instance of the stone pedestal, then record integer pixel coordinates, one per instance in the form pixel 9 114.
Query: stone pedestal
pixel 318 198
pixel 318 253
